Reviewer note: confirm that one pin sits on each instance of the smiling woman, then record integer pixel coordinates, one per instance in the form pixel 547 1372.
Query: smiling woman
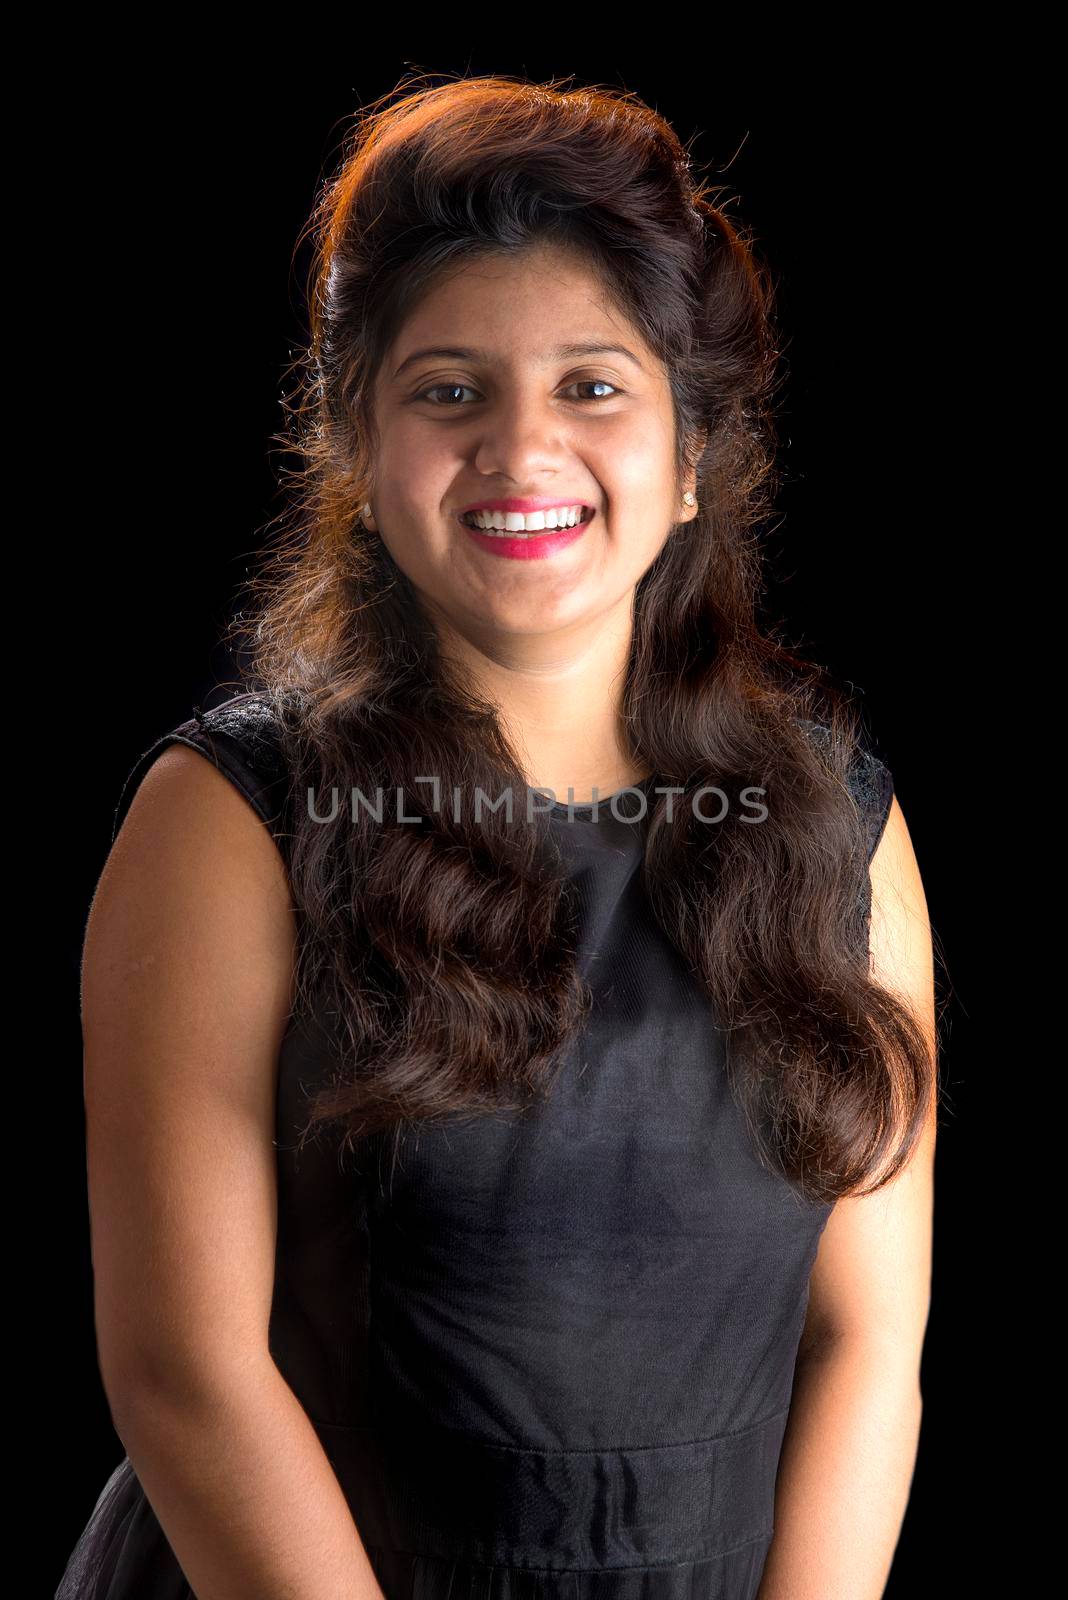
pixel 528 425
pixel 461 1190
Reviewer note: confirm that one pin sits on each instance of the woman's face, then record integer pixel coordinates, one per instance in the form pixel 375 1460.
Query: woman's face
pixel 477 401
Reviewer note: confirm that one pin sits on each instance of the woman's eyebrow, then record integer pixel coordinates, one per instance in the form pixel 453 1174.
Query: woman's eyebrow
pixel 561 352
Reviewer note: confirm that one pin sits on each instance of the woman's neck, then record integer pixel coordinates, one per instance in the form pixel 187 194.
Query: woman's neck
pixel 559 699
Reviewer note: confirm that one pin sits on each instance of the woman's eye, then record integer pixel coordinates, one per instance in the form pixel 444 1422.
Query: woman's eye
pixel 438 388
pixel 596 383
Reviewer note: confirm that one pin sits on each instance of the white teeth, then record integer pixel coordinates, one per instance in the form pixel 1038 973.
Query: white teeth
pixel 515 524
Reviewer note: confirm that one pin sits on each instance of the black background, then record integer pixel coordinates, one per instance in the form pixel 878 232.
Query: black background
pixel 181 305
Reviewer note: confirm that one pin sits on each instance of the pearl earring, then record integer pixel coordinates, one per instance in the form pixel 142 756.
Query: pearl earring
pixel 688 499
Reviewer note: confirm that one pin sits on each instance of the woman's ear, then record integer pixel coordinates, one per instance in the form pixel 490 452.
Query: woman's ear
pixel 696 446
pixel 696 450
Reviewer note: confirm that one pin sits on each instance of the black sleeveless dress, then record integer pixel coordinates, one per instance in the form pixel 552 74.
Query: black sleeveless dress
pixel 549 1354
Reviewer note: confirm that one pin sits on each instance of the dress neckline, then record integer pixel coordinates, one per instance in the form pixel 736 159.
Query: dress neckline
pixel 582 810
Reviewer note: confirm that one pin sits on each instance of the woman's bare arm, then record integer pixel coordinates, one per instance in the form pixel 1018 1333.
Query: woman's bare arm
pixel 186 992
pixel 854 1426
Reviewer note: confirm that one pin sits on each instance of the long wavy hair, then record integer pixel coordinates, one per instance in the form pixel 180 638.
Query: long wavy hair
pixel 443 956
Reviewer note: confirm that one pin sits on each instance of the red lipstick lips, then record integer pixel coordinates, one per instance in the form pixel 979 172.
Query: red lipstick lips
pixel 533 546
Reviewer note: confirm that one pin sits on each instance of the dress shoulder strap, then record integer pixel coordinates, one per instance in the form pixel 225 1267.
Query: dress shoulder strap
pixel 872 787
pixel 869 780
pixel 242 739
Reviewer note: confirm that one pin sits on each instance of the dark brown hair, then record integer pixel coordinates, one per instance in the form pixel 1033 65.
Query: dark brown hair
pixel 443 955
